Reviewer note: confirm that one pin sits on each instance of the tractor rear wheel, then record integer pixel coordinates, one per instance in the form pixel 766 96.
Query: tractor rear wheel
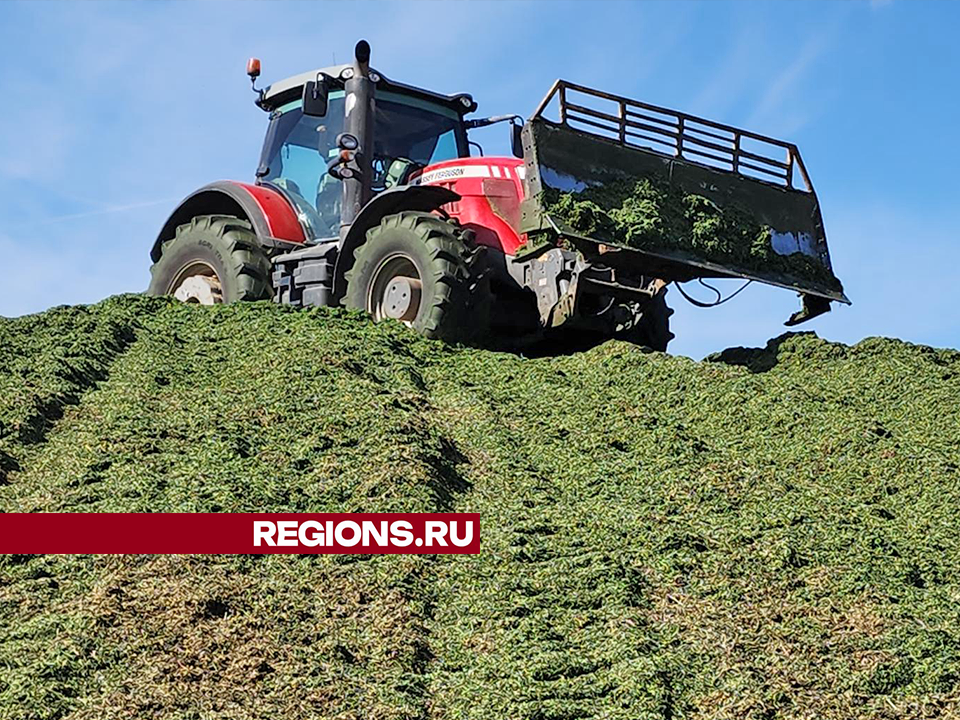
pixel 652 329
pixel 422 270
pixel 213 259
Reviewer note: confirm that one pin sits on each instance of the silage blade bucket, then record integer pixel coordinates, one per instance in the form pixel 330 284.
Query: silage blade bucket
pixel 601 138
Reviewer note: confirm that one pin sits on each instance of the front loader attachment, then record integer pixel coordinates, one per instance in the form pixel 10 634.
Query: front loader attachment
pixel 675 196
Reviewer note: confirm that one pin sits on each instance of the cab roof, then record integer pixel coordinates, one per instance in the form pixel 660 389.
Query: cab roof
pixel 291 88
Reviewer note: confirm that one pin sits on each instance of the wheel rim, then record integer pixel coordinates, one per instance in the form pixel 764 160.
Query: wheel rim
pixel 197 283
pixel 396 290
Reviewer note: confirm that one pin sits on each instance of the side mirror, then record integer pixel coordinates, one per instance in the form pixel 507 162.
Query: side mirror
pixel 315 97
pixel 516 141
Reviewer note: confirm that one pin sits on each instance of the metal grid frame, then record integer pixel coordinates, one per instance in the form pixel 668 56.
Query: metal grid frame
pixel 676 134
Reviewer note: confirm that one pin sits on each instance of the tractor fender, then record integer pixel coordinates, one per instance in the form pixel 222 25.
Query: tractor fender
pixel 270 214
pixel 423 198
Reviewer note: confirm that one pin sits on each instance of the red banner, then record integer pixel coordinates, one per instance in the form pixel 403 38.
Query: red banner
pixel 253 533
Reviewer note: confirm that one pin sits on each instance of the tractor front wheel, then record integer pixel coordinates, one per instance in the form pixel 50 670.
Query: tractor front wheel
pixel 420 269
pixel 213 259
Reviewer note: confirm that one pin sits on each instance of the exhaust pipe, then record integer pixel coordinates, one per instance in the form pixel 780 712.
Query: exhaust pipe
pixel 358 121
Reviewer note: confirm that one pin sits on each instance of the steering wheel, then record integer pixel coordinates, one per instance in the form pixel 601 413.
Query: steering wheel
pixel 389 172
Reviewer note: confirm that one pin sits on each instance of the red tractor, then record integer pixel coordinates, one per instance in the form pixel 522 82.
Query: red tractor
pixel 366 196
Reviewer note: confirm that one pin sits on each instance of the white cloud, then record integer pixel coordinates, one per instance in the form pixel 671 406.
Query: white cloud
pixel 781 96
pixel 169 202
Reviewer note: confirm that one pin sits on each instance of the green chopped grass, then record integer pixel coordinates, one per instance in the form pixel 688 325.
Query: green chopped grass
pixel 655 216
pixel 768 533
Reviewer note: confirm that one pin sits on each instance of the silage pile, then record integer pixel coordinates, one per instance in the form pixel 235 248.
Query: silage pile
pixel 772 533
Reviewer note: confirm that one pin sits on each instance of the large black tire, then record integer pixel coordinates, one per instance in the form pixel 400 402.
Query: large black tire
pixel 422 270
pixel 212 259
pixel 652 330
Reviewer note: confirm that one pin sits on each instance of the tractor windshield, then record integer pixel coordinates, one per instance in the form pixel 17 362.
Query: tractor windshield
pixel 408 133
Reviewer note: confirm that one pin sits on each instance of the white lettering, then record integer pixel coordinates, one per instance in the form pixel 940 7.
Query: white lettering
pixel 287 533
pixel 263 532
pixel 370 530
pixel 435 530
pixel 402 532
pixel 467 533
pixel 348 525
pixel 310 540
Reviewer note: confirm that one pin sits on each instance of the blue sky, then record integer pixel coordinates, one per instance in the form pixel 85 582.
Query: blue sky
pixel 114 111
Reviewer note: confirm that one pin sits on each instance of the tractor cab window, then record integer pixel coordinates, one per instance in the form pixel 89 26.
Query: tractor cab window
pixel 409 133
pixel 296 153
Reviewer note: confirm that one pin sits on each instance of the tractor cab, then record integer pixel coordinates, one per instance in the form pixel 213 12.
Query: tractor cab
pixel 413 128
